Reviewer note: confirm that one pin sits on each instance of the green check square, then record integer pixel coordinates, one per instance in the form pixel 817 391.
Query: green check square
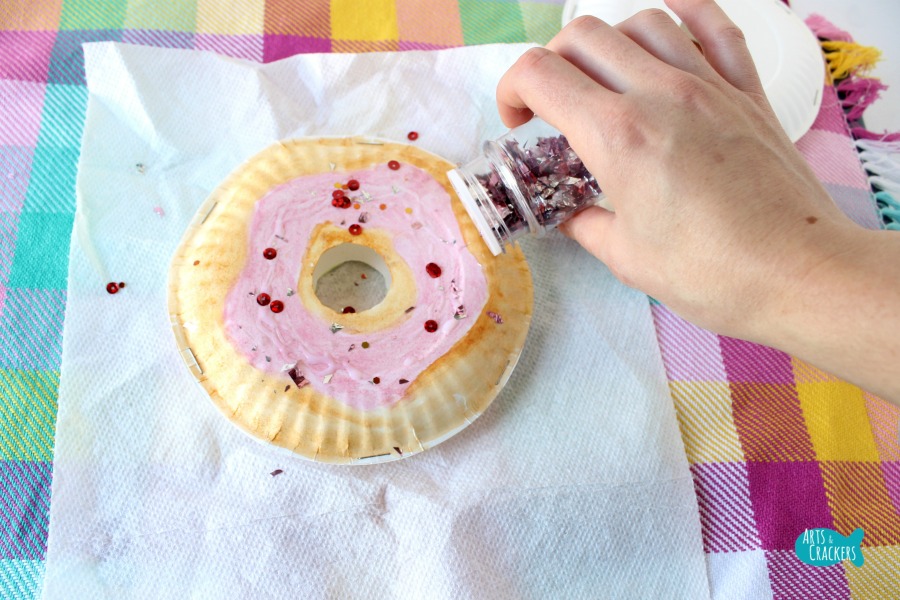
pixel 41 260
pixel 542 21
pixel 51 188
pixel 63 119
pixel 162 16
pixel 93 14
pixel 491 21
pixel 27 414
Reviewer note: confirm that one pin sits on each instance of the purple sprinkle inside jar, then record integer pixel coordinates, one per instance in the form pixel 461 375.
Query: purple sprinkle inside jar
pixel 528 181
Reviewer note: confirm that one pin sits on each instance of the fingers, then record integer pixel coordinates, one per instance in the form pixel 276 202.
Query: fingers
pixel 607 55
pixel 592 228
pixel 656 32
pixel 547 84
pixel 722 41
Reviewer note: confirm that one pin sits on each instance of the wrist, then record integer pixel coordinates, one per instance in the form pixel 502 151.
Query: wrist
pixel 810 284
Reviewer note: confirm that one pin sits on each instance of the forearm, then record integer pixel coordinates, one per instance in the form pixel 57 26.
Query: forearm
pixel 844 317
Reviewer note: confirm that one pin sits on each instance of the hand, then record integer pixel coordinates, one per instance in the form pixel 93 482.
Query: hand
pixel 716 213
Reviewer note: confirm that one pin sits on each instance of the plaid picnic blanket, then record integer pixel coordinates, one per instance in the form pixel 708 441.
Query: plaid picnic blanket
pixel 776 446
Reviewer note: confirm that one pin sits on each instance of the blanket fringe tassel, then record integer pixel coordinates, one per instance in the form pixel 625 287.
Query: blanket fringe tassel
pixel 879 153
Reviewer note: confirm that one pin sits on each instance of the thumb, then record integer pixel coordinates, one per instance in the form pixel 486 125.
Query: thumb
pixel 592 228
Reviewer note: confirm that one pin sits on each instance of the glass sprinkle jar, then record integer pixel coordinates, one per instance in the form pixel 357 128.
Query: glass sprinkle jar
pixel 526 182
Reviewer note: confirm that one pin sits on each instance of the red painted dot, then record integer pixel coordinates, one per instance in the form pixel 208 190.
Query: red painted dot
pixel 431 325
pixel 111 287
pixel 376 380
pixel 348 309
pixel 412 136
pixel 270 253
pixel 355 229
pixel 346 202
pixel 337 194
pixel 353 185
pixel 337 202
pixel 121 284
pixel 262 299
pixel 433 270
pixel 393 165
pixel 277 306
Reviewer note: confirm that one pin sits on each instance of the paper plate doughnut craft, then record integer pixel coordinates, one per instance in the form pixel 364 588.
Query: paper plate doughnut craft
pixel 345 386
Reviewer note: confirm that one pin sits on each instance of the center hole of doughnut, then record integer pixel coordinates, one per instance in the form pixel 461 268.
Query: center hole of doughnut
pixel 351 275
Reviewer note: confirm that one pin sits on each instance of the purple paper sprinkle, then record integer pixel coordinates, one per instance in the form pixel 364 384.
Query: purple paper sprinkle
pixel 551 177
pixel 495 317
pixel 297 378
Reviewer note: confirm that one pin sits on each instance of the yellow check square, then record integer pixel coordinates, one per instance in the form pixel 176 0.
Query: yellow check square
pixel 234 17
pixel 878 577
pixel 364 20
pixel 837 421
pixel 706 421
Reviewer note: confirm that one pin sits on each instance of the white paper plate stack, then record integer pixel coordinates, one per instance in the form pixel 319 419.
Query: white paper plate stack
pixel 787 54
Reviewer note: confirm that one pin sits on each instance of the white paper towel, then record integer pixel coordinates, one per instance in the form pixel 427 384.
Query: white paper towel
pixel 573 484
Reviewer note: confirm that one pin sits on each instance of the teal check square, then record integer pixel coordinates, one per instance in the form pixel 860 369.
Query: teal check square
pixel 63 118
pixel 31 332
pixel 52 185
pixel 41 260
pixel 21 578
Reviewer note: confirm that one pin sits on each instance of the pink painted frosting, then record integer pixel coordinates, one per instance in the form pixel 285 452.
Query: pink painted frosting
pixel 285 218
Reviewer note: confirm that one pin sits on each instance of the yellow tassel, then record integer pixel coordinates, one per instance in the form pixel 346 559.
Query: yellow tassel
pixel 849 58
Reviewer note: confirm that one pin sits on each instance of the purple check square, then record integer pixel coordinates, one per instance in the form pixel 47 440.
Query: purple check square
pixel 248 47
pixel 795 580
pixel 276 47
pixel 160 39
pixel 746 362
pixel 788 498
pixel 20 112
pixel 25 504
pixel 726 513
pixel 891 471
pixel 689 353
pixel 831 115
pixel 26 54
pixel 15 167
